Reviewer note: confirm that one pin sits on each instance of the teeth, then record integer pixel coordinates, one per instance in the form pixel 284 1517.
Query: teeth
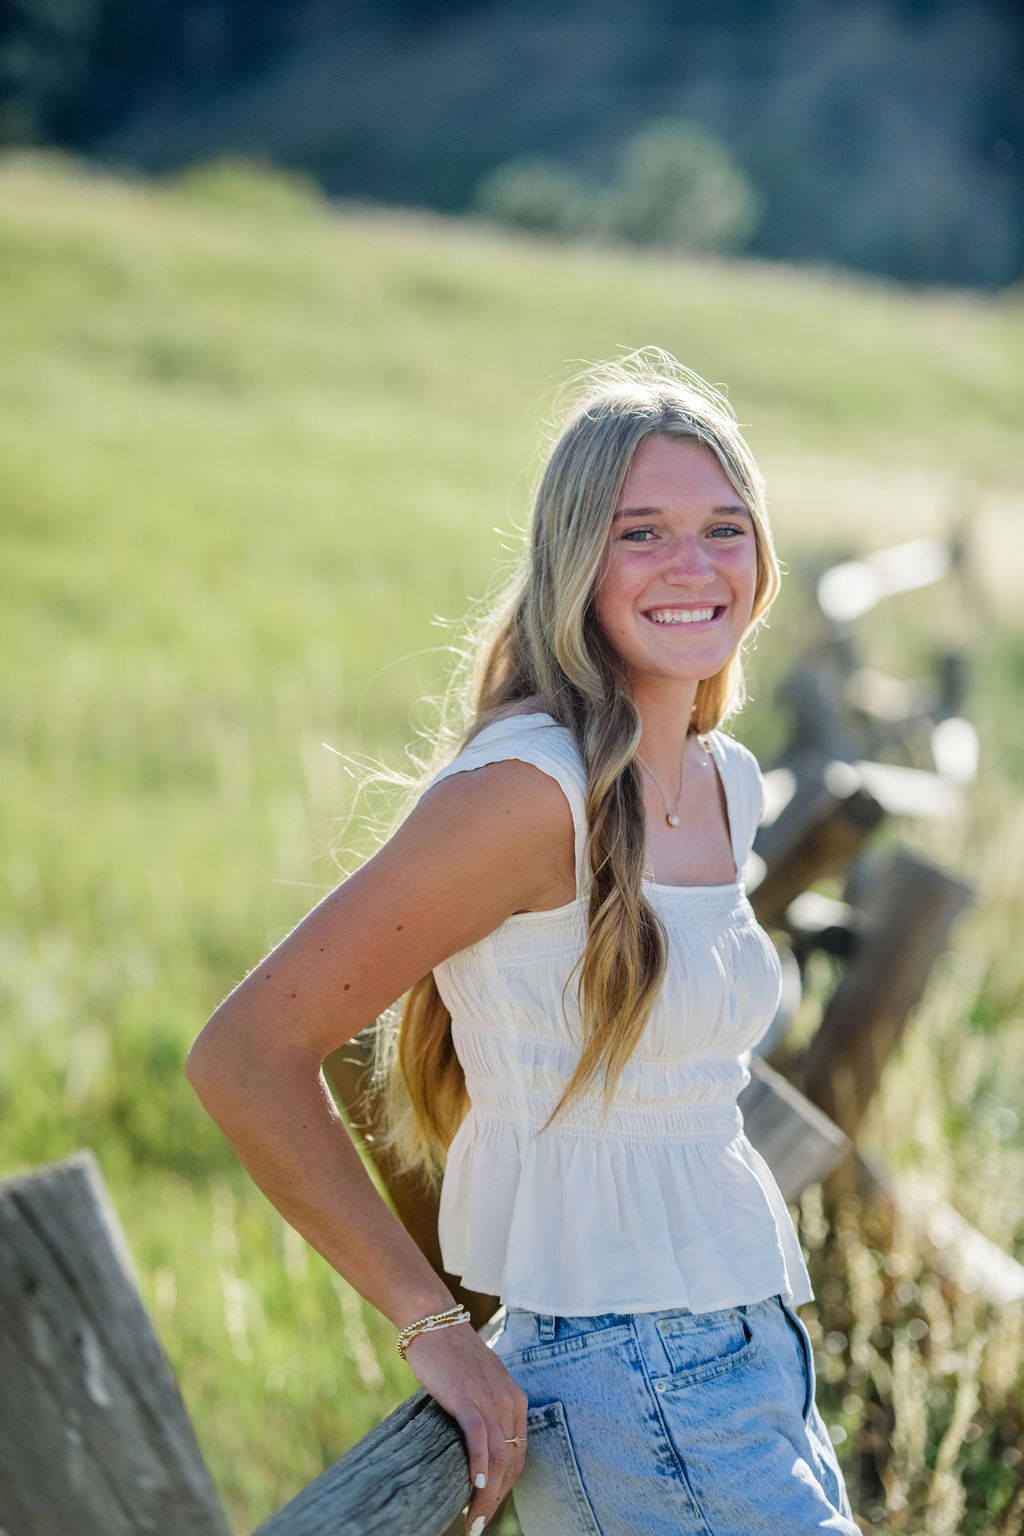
pixel 682 615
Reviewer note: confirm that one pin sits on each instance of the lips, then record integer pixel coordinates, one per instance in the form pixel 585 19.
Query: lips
pixel 703 615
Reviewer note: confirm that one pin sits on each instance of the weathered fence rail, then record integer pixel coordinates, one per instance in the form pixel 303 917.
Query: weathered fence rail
pixel 407 1477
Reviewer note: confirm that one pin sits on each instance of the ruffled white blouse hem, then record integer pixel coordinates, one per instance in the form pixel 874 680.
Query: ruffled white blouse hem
pixel 622 1226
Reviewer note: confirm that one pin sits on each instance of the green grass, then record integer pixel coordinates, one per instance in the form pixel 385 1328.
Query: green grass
pixel 251 447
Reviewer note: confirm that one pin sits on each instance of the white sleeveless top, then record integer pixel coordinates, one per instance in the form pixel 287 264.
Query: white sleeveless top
pixel 662 1202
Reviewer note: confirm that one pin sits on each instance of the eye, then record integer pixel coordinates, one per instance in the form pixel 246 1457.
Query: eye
pixel 727 531
pixel 637 535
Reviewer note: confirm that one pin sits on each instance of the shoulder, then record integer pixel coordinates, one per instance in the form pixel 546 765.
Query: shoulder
pixel 505 821
pixel 525 770
pixel 506 787
pixel 527 737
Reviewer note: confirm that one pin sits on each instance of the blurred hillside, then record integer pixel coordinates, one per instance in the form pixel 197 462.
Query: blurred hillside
pixel 883 135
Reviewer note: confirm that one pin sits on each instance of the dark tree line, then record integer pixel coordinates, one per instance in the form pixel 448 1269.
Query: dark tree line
pixel 886 135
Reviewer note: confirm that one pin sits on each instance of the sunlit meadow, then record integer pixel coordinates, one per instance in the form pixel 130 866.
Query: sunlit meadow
pixel 251 448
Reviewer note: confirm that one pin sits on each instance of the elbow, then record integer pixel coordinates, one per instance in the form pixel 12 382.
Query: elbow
pixel 195 1066
pixel 211 1065
pixel 240 1066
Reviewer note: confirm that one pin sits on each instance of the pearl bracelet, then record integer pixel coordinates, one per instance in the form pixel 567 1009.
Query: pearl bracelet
pixel 431 1324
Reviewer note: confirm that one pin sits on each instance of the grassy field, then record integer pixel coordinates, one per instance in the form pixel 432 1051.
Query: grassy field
pixel 251 448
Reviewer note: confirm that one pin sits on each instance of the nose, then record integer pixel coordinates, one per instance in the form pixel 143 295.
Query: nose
pixel 689 562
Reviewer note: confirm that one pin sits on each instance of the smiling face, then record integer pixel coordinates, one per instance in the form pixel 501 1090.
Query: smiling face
pixel 676 589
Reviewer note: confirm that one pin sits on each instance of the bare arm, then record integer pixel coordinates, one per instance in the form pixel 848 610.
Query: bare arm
pixel 479 847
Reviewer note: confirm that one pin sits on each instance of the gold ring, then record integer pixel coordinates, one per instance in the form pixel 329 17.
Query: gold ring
pixel 515 1440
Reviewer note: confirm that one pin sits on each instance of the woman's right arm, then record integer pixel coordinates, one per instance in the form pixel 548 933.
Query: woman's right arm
pixel 477 848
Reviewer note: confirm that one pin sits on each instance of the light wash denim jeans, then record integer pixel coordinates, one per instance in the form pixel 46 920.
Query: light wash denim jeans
pixel 672 1424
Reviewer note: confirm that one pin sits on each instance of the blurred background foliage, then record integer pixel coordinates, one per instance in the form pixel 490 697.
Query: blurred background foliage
pixel 883 135
pixel 674 187
pixel 252 445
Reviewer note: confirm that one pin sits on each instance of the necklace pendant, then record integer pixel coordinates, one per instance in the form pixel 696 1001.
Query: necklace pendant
pixel 672 818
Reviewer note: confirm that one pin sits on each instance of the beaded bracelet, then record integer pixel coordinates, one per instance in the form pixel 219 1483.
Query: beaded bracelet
pixel 431 1324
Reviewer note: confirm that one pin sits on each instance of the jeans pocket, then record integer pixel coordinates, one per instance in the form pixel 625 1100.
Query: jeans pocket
pixel 702 1345
pixel 806 1354
pixel 549 1495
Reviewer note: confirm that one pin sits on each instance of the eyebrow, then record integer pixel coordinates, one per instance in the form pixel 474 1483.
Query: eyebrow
pixel 732 511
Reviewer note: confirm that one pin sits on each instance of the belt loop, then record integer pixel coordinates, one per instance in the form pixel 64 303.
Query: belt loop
pixel 546 1327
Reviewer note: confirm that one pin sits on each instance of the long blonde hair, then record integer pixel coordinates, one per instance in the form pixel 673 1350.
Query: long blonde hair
pixel 543 643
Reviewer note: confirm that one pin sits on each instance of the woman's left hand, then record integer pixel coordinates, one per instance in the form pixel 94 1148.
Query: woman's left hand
pixel 472 1384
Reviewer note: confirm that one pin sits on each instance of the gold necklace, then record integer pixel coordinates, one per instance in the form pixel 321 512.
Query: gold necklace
pixel 671 816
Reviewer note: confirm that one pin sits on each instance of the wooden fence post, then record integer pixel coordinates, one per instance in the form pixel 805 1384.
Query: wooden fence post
pixel 908 913
pixel 824 824
pixel 94 1438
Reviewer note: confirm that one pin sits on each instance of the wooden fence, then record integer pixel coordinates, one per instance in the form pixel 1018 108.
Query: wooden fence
pixel 94 1438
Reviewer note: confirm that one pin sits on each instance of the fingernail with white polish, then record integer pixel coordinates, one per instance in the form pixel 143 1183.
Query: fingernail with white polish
pixel 477 1526
pixel 480 1481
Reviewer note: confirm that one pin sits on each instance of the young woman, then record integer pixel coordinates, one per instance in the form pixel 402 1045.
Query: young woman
pixel 564 913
